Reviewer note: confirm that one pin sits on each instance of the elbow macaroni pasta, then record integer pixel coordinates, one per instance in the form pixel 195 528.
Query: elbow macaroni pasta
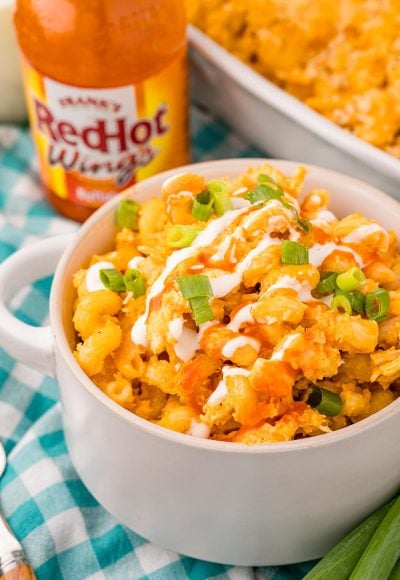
pixel 246 375
pixel 341 58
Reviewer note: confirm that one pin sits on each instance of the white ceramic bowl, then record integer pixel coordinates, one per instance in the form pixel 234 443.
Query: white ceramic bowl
pixel 278 123
pixel 218 501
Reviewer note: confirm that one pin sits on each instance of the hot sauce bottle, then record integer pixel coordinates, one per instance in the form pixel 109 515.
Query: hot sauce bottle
pixel 106 89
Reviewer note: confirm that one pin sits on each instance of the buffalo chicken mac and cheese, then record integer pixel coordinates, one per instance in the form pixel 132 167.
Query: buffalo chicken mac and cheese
pixel 229 310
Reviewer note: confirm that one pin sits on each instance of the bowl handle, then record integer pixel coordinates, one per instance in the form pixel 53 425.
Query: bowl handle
pixel 30 345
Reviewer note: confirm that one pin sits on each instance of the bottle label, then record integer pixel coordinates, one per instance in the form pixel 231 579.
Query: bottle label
pixel 93 143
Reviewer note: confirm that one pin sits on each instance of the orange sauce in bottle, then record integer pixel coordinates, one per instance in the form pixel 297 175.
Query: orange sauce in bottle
pixel 106 88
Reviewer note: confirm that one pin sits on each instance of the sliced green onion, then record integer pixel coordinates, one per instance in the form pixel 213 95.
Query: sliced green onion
pixel 339 563
pixel 326 402
pixel 341 302
pixel 350 280
pixel 134 282
pixel 182 236
pixel 264 178
pixel 112 279
pixel 327 283
pixel 194 286
pixel 358 301
pixel 127 214
pixel 203 206
pixel 293 253
pixel 377 304
pixel 201 309
pixel 395 573
pixel 262 193
pixel 220 194
pixel 383 551
pixel 302 223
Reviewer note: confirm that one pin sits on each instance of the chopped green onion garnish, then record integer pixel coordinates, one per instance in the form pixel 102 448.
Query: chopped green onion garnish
pixel 203 206
pixel 350 280
pixel 127 214
pixel 325 401
pixel 134 282
pixel 327 283
pixel 182 236
pixel 342 303
pixel 264 178
pixel 201 309
pixel 358 301
pixel 302 223
pixel 262 193
pixel 377 304
pixel 220 194
pixel 112 279
pixel 293 253
pixel 195 285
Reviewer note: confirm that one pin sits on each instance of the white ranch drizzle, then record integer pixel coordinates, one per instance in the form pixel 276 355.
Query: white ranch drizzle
pixel 272 203
pixel 323 220
pixel 170 180
pixel 261 246
pixel 228 283
pixel 198 429
pixel 359 234
pixel 287 343
pixel 240 191
pixel 241 317
pixel 319 252
pixel 187 344
pixel 302 289
pixel 326 300
pixel 221 391
pixel 222 285
pixel 134 263
pixel 248 221
pixel 217 226
pixel 326 215
pixel 239 202
pixel 187 339
pixel 175 327
pixel 138 333
pixel 293 201
pixel 206 237
pixel 224 246
pixel 93 282
pixel 241 341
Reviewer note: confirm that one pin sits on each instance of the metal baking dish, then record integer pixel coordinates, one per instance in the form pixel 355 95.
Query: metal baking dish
pixel 277 122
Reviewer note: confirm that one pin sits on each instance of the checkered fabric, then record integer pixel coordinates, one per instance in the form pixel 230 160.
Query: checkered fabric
pixel 66 534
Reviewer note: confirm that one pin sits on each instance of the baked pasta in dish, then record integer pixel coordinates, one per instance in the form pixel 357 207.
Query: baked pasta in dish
pixel 229 310
pixel 341 58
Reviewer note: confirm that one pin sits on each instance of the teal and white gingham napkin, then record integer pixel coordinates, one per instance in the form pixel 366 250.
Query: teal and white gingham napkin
pixel 65 532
